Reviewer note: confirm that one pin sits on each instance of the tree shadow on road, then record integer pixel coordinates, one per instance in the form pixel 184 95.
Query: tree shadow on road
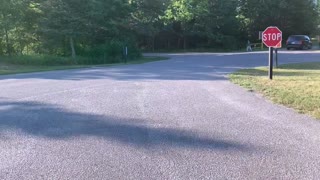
pixel 52 122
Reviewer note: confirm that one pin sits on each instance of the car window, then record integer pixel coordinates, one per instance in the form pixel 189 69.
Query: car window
pixel 296 38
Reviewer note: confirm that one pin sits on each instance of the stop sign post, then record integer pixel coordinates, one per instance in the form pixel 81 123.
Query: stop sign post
pixel 272 38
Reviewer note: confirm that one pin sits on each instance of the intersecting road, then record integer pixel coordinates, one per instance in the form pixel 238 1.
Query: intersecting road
pixel 174 119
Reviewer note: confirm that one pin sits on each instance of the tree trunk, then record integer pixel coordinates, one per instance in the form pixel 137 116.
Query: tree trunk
pixel 5 28
pixel 184 43
pixel 21 48
pixel 7 41
pixel 73 51
pixel 153 43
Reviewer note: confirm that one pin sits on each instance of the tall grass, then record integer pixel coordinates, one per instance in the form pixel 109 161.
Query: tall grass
pixel 49 60
pixel 40 60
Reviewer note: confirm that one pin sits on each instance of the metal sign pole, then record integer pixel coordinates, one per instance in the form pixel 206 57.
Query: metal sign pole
pixel 272 38
pixel 276 51
pixel 270 63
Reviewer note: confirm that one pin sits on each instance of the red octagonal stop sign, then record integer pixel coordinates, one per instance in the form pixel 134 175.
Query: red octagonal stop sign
pixel 272 37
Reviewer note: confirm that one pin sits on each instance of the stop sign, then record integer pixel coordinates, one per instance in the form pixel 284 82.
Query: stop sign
pixel 272 37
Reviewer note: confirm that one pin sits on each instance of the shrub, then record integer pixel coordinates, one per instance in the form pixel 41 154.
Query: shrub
pixel 111 52
pixel 41 60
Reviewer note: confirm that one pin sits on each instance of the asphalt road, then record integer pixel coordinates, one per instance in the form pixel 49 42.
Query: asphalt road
pixel 175 119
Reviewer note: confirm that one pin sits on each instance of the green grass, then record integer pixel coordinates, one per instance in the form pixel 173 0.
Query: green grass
pixel 295 85
pixel 147 59
pixel 19 65
pixel 195 50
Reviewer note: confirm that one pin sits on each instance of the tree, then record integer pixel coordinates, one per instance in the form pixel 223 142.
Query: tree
pixel 91 22
pixel 13 25
pixel 291 16
pixel 64 20
pixel 146 17
pixel 99 27
pixel 217 20
pixel 180 15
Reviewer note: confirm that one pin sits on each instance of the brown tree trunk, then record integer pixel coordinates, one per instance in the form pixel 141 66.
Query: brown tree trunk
pixel 5 28
pixel 184 43
pixel 7 41
pixel 73 51
pixel 21 48
pixel 153 43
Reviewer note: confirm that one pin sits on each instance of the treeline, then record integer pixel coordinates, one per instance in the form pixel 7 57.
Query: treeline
pixel 101 28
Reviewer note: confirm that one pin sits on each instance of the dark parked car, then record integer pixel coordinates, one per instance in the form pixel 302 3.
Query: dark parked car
pixel 299 42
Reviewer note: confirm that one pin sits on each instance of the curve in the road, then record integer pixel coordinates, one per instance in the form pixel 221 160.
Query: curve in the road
pixel 175 119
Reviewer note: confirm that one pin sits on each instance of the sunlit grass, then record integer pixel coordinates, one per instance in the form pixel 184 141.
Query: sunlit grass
pixel 294 85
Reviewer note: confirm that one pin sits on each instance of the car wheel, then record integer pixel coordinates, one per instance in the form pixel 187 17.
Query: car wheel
pixel 288 48
pixel 305 47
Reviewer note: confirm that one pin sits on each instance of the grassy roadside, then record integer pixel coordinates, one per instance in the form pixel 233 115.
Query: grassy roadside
pixel 295 85
pixel 7 68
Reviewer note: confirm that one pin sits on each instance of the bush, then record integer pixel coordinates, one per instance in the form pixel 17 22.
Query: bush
pixel 41 60
pixel 230 42
pixel 111 52
pixel 107 53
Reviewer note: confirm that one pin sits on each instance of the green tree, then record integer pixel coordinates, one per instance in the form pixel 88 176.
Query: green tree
pixel 217 20
pixel 146 18
pixel 291 16
pixel 14 25
pixel 84 23
pixel 64 20
pixel 180 15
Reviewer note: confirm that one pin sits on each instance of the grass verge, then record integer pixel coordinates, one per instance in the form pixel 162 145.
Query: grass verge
pixel 295 85
pixel 8 68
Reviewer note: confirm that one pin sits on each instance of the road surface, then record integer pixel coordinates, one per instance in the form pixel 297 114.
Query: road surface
pixel 175 119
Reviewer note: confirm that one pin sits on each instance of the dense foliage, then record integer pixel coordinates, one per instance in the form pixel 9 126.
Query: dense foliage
pixel 99 29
